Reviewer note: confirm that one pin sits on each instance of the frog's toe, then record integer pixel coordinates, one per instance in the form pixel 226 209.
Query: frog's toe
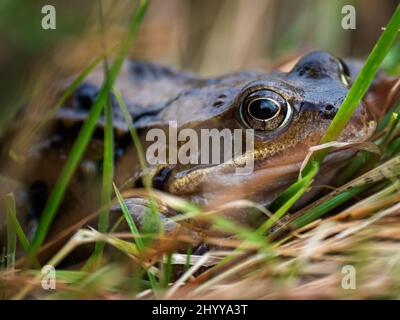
pixel 139 208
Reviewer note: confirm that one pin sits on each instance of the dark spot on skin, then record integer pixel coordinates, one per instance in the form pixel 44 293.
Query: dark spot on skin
pixel 38 194
pixel 139 183
pixel 149 114
pixel 305 105
pixel 138 70
pixel 201 249
pixel 86 95
pixel 160 179
pixel 220 101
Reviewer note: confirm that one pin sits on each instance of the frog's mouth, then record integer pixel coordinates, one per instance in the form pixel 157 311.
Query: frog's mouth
pixel 213 186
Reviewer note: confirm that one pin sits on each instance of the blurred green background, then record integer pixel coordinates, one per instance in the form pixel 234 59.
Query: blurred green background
pixel 208 37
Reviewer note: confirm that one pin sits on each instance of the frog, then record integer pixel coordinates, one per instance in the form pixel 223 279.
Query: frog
pixel 286 111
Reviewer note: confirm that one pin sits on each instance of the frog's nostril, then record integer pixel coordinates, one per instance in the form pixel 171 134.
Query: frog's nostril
pixel 86 95
pixel 139 182
pixel 329 111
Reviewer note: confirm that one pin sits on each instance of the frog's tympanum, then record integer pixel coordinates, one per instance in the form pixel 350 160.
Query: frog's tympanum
pixel 289 112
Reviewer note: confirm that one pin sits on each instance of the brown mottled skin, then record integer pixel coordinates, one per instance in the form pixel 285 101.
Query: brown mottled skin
pixel 155 95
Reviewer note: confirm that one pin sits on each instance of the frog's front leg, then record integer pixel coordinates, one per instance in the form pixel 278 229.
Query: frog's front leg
pixel 140 210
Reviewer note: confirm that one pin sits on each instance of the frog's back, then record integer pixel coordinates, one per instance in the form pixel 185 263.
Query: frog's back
pixel 146 88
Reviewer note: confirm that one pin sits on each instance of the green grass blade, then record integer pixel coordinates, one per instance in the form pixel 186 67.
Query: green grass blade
pixel 12 216
pixel 129 219
pixel 84 135
pixel 132 130
pixel 327 206
pixel 134 230
pixel 188 258
pixel 167 272
pixel 108 160
pixel 151 219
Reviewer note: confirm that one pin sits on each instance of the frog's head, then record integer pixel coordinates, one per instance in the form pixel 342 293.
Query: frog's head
pixel 289 112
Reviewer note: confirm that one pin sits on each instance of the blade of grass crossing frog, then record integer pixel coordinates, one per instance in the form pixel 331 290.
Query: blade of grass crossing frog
pixel 132 130
pixel 134 230
pixel 84 135
pixel 325 207
pixel 356 92
pixel 151 219
pixel 108 154
pixel 167 271
pixel 361 84
pixel 301 187
pixel 188 258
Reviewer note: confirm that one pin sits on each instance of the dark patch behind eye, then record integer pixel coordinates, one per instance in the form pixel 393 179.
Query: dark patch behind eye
pixel 86 95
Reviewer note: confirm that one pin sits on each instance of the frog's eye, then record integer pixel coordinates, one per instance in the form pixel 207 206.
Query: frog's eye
pixel 344 72
pixel 265 110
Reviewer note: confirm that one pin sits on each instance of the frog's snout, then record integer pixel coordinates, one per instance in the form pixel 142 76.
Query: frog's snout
pixel 361 126
pixel 328 111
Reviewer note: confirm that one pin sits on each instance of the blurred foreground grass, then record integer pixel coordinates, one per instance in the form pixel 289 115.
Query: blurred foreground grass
pixel 305 261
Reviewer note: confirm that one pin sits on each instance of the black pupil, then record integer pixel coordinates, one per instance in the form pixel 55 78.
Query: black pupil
pixel 263 109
